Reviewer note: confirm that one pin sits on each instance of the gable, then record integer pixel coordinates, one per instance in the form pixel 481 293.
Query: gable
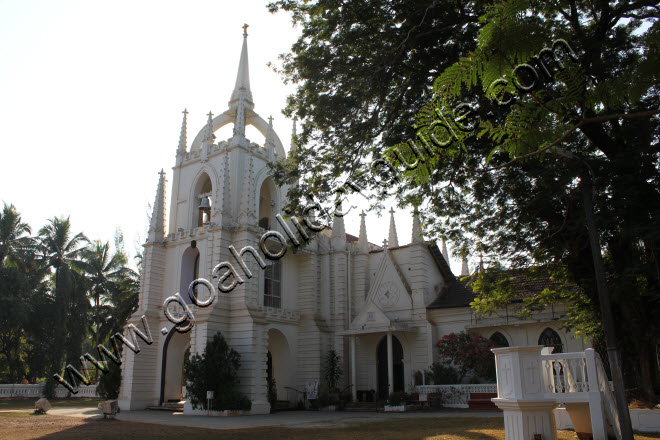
pixel 390 291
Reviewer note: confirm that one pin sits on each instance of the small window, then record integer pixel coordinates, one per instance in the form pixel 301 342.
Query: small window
pixel 272 285
pixel 550 338
pixel 499 340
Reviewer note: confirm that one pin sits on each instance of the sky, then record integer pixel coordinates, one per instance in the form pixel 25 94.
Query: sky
pixel 91 95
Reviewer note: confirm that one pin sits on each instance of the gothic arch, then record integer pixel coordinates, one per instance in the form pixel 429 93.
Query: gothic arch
pixel 499 339
pixel 205 176
pixel 282 362
pixel 268 201
pixel 228 117
pixel 550 338
pixel 190 267
pixel 171 380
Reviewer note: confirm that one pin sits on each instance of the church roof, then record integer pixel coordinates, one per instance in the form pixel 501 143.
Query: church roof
pixel 459 294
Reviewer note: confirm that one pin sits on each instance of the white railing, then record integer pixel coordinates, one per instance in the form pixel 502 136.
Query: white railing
pixel 456 396
pixel 572 377
pixel 21 390
pixel 608 399
pixel 564 373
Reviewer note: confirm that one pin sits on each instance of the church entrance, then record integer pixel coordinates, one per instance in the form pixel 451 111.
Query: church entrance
pixel 279 368
pixel 382 371
pixel 174 352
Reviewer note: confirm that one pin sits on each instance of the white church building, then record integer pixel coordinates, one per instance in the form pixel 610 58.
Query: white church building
pixel 382 308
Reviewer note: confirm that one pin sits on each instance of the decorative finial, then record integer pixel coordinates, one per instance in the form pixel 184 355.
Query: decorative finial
pixel 185 112
pixel 162 173
pixel 245 26
pixel 270 120
pixel 384 243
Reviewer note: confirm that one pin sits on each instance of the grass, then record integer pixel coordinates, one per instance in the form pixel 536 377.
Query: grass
pixel 453 428
pixel 28 403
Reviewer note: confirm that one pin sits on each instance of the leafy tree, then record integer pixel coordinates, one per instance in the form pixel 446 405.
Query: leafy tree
pixel 215 370
pixel 363 69
pixel 13 238
pixel 469 352
pixel 106 271
pixel 61 251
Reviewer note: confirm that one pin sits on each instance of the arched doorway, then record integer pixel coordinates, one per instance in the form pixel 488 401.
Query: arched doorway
pixel 174 350
pixel 279 365
pixel 397 363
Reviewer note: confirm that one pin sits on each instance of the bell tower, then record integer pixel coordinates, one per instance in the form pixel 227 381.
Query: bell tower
pixel 222 195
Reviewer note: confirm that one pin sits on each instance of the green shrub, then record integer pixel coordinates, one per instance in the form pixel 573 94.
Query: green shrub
pixel 399 398
pixel 108 384
pixel 49 388
pixel 215 370
pixel 441 374
pixel 332 371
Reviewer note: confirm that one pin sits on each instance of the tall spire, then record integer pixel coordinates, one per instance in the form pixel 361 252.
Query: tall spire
pixel 416 228
pixel 465 270
pixel 294 134
pixel 182 137
pixel 362 243
pixel 445 254
pixel 392 238
pixel 157 224
pixel 338 234
pixel 242 87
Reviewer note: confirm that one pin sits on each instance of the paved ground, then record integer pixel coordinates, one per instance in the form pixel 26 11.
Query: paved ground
pixel 295 419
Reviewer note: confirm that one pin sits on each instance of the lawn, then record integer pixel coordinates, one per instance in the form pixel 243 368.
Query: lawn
pixel 28 403
pixel 455 428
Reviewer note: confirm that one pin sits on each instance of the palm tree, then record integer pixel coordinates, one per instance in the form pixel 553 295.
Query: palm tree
pixel 13 240
pixel 60 250
pixel 106 272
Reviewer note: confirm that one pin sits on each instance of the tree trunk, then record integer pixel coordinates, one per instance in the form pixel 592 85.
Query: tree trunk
pixel 605 307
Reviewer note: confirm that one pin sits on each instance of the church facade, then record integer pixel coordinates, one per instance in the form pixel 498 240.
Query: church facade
pixel 382 308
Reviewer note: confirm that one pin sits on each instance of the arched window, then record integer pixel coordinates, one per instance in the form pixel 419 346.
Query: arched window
pixel 499 340
pixel 189 271
pixel 272 285
pixel 266 204
pixel 550 338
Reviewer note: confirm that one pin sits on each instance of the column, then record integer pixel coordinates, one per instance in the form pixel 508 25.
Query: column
pixel 390 364
pixel 353 370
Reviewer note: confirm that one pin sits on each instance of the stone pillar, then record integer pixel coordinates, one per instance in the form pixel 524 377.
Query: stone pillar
pixel 520 394
pixel 353 370
pixel 390 364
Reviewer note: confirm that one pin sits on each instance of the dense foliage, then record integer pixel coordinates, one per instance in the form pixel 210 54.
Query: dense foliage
pixel 215 370
pixel 59 299
pixel 469 352
pixel 495 156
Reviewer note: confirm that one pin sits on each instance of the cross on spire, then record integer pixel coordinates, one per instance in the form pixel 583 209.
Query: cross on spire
pixel 185 112
pixel 161 173
pixel 245 26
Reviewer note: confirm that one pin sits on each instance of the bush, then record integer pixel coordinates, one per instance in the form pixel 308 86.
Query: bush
pixel 332 371
pixel 399 398
pixel 49 388
pixel 470 352
pixel 442 374
pixel 215 370
pixel 108 384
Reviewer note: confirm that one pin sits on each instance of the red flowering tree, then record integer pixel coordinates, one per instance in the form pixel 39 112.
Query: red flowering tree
pixel 469 352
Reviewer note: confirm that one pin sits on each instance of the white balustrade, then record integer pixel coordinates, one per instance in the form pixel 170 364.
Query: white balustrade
pixel 36 390
pixel 456 396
